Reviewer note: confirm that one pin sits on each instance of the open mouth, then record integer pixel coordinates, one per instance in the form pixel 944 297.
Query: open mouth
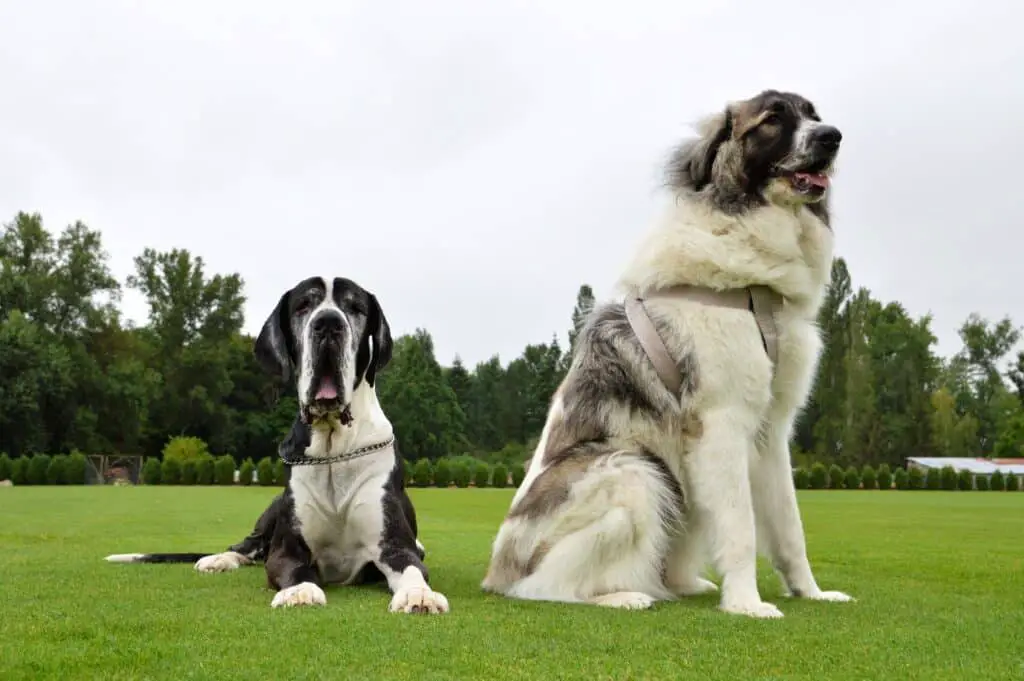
pixel 811 181
pixel 327 402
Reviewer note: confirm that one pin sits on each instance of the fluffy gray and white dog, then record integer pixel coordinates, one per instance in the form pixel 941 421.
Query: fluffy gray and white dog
pixel 639 481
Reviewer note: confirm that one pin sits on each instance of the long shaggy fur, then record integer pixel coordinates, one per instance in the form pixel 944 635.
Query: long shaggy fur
pixel 632 490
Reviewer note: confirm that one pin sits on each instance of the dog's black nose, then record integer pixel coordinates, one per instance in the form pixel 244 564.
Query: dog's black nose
pixel 328 324
pixel 827 136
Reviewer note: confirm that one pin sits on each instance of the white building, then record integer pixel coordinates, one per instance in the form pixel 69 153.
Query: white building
pixel 977 466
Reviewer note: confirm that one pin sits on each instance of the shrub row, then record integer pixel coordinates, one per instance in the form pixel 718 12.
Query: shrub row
pixel 946 478
pixel 43 469
pixel 207 469
pixel 461 472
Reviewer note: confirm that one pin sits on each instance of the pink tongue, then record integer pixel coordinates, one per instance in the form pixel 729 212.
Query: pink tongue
pixel 816 180
pixel 327 391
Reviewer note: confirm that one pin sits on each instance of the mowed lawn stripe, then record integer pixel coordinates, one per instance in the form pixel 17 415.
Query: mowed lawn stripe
pixel 939 578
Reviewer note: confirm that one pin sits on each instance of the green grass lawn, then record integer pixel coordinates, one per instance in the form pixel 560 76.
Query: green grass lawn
pixel 939 579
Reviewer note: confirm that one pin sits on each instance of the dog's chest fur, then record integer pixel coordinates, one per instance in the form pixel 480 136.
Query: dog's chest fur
pixel 337 511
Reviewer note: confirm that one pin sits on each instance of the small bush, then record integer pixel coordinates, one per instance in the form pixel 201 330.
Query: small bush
pixel 997 483
pixel 422 473
pixel 819 476
pixel 981 483
pixel 5 467
pixel 442 473
pixel 482 475
pixel 965 481
pixel 151 471
pixel 280 473
pixel 518 474
pixel 265 472
pixel 867 478
pixel 19 470
pixel 37 467
pixel 914 479
pixel 182 449
pixel 461 475
pixel 246 472
pixel 1012 482
pixel 204 470
pixel 835 477
pixel 933 479
pixel 903 479
pixel 851 479
pixel 802 479
pixel 189 471
pixel 947 478
pixel 499 476
pixel 74 469
pixel 884 477
pixel 55 472
pixel 170 472
pixel 224 470
pixel 407 469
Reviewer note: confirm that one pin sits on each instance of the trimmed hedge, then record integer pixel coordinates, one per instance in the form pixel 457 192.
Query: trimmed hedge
pixel 170 472
pixel 933 479
pixel 246 472
pixel 189 471
pixel 884 477
pixel 915 479
pixel 965 481
pixel 19 470
pixel 518 474
pixel 997 483
pixel 204 470
pixel 499 476
pixel 461 475
pixel 55 472
pixel 867 478
pixel 981 483
pixel 1012 482
pixel 851 479
pixel 224 470
pixel 37 467
pixel 151 471
pixel 819 476
pixel 947 478
pixel 801 479
pixel 422 473
pixel 835 477
pixel 74 469
pixel 442 473
pixel 902 479
pixel 482 475
pixel 265 472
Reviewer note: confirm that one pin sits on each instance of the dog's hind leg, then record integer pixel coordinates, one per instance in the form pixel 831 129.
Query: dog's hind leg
pixel 251 549
pixel 605 545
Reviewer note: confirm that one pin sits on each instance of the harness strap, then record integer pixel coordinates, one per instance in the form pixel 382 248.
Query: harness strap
pixel 761 301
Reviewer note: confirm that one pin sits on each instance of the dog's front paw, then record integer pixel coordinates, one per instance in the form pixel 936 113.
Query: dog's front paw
pixel 757 610
pixel 220 562
pixel 419 599
pixel 626 600
pixel 833 596
pixel 694 587
pixel 306 593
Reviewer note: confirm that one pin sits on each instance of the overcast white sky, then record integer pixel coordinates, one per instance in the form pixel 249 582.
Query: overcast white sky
pixel 473 162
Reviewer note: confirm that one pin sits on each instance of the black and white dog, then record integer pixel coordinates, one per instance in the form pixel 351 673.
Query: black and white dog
pixel 344 516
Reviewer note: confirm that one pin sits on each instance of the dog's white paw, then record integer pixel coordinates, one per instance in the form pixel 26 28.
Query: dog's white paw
pixel 695 587
pixel 833 596
pixel 627 600
pixel 220 562
pixel 758 610
pixel 306 593
pixel 419 599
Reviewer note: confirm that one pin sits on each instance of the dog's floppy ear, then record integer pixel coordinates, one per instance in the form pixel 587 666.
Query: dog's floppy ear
pixel 691 164
pixel 273 346
pixel 372 360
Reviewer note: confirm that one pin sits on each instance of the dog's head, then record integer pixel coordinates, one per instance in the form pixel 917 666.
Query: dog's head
pixel 330 336
pixel 771 148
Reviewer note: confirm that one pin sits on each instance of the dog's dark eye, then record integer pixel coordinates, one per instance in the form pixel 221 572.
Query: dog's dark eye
pixel 770 118
pixel 302 307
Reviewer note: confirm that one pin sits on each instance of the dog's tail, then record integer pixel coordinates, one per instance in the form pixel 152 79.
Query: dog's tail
pixel 155 557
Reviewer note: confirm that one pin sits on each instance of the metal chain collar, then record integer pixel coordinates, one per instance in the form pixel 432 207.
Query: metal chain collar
pixel 304 460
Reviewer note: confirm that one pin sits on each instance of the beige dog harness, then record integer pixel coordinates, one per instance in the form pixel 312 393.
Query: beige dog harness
pixel 762 301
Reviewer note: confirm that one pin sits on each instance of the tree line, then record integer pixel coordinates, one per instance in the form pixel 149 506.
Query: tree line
pixel 77 376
